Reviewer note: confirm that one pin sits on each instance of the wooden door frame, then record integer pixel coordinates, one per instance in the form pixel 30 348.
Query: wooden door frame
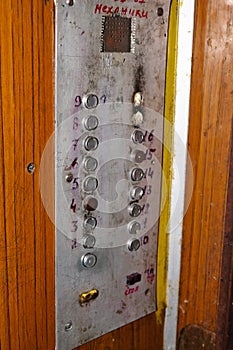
pixel 209 143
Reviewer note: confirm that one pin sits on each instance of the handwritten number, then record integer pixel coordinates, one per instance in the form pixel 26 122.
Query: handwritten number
pixel 75 226
pixel 148 154
pixel 78 101
pixel 148 172
pixel 103 98
pixel 75 123
pixel 73 205
pixel 75 184
pixel 149 136
pixel 75 144
pixel 146 208
pixel 148 189
pixel 74 244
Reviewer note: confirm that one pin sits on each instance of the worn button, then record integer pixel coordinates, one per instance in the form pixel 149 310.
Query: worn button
pixel 89 241
pixel 136 192
pixel 138 156
pixel 90 184
pixel 134 210
pixel 91 122
pixel 133 244
pixel 89 260
pixel 90 223
pixel 137 174
pixel 134 227
pixel 90 101
pixel 90 163
pixel 90 203
pixel 137 136
pixel 91 143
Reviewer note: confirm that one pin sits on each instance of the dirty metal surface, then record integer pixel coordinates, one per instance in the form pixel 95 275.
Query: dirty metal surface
pixel 110 80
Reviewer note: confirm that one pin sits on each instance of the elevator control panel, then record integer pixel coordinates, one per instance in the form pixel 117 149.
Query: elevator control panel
pixel 110 81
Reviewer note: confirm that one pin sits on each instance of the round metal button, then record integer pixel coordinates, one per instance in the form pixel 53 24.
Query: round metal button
pixel 91 143
pixel 134 210
pixel 134 227
pixel 90 184
pixel 89 260
pixel 90 164
pixel 89 241
pixel 136 192
pixel 138 156
pixel 91 122
pixel 90 223
pixel 90 101
pixel 137 136
pixel 90 203
pixel 133 244
pixel 137 174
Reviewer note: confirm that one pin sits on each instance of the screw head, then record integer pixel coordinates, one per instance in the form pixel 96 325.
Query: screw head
pixel 68 326
pixel 70 2
pixel 69 178
pixel 31 168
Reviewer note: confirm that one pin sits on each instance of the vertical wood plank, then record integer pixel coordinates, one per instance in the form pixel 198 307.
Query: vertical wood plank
pixel 209 146
pixel 225 310
pixel 27 235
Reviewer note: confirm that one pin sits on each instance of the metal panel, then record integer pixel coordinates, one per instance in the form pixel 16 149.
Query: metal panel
pixel 110 78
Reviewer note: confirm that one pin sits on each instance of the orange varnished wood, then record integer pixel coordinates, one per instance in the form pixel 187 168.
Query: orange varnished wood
pixel 209 146
pixel 144 334
pixel 27 235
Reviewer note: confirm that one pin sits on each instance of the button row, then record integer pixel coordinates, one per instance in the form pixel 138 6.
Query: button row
pixel 90 184
pixel 89 260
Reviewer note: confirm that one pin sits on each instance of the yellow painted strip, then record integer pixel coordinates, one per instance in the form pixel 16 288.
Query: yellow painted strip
pixel 167 160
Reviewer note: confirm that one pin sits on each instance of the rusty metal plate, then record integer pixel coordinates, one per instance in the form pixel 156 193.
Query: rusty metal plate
pixel 110 81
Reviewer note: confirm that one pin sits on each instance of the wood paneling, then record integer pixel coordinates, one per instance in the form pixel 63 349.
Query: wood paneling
pixel 26 123
pixel 144 334
pixel 209 147
pixel 225 314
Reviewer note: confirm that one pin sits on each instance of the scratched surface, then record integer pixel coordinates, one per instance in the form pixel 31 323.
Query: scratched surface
pixel 136 64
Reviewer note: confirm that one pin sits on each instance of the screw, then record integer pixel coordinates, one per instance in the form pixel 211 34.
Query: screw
pixel 69 177
pixel 70 2
pixel 68 326
pixel 31 168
